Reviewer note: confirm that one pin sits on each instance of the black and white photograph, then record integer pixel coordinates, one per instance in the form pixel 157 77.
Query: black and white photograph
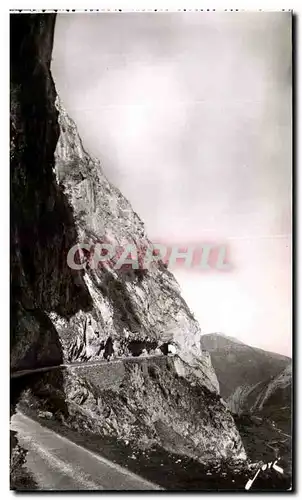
pixel 151 191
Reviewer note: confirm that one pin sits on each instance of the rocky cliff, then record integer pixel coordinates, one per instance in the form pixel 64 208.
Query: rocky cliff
pixel 143 403
pixel 42 220
pixel 59 197
pixel 139 309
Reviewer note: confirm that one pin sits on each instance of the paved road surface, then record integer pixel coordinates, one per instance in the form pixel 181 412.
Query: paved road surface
pixel 22 373
pixel 57 463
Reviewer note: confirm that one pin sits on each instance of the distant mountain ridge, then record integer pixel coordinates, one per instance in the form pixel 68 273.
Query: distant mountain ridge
pixel 257 388
pixel 248 376
pixel 219 339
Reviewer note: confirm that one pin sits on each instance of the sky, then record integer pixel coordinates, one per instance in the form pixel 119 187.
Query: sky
pixel 190 116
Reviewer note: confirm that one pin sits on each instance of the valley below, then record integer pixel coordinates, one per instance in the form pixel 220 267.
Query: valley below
pixel 257 387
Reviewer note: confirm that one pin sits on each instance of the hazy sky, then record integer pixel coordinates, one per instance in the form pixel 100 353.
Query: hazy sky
pixel 190 115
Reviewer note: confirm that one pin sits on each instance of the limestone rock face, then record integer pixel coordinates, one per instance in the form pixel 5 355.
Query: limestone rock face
pixel 131 306
pixel 42 223
pixel 60 197
pixel 144 402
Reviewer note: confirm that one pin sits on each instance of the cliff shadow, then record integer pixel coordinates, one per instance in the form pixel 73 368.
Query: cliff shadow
pixel 42 227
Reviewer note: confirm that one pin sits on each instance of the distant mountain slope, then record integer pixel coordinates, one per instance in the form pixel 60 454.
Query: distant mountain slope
pixel 273 399
pixel 257 387
pixel 265 419
pixel 245 373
